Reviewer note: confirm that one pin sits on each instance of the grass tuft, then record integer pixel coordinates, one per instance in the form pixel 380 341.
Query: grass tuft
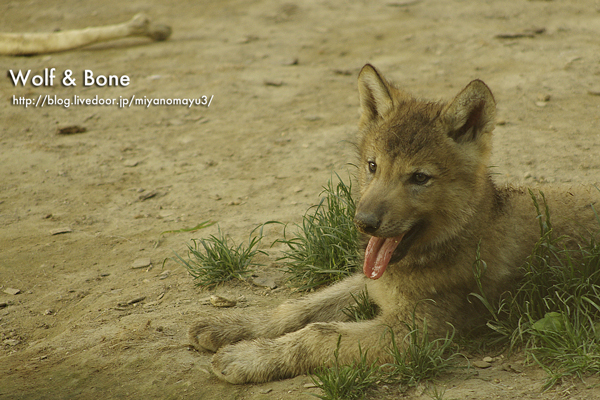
pixel 216 259
pixel 437 393
pixel 415 360
pixel 345 382
pixel 554 315
pixel 420 358
pixel 324 248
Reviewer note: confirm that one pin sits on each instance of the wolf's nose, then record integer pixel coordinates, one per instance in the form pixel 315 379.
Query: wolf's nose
pixel 367 222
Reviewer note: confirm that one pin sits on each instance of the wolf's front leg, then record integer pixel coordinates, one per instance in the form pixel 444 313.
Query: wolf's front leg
pixel 300 352
pixel 323 306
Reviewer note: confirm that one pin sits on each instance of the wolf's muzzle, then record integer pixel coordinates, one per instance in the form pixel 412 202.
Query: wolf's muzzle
pixel 367 223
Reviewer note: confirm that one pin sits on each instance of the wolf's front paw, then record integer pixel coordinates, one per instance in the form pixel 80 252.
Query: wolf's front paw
pixel 202 338
pixel 213 333
pixel 249 361
pixel 232 365
pixel 207 335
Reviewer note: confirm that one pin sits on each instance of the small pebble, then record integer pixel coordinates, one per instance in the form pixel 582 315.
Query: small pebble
pixel 270 82
pixel 481 364
pixel 148 195
pixel 290 61
pixel 219 301
pixel 131 163
pixel 136 300
pixel 70 130
pixel 164 275
pixel 512 368
pixel 264 282
pixel 12 291
pixel 141 263
pixel 544 97
pixel 59 231
pixel 488 359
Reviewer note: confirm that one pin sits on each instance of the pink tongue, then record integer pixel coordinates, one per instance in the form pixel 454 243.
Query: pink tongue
pixel 378 254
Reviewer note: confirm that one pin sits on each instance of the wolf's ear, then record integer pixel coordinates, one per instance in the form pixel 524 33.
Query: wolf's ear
pixel 471 113
pixel 374 92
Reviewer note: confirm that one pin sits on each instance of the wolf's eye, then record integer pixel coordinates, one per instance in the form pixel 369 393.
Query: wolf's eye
pixel 420 178
pixel 372 167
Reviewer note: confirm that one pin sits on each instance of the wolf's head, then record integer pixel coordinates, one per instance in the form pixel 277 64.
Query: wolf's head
pixel 422 168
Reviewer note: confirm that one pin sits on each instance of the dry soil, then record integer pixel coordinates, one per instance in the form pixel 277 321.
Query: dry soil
pixel 282 79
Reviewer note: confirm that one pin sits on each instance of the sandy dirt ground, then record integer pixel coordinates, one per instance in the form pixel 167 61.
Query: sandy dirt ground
pixel 282 78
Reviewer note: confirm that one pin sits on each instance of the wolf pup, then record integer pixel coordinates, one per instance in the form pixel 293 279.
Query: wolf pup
pixel 427 203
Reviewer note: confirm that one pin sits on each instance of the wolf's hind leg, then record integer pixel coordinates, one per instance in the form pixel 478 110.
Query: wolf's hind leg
pixel 323 306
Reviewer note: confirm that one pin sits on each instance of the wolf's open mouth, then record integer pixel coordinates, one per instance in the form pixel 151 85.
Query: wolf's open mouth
pixel 381 251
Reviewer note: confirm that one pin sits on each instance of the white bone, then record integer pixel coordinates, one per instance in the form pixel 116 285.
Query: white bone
pixel 17 44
